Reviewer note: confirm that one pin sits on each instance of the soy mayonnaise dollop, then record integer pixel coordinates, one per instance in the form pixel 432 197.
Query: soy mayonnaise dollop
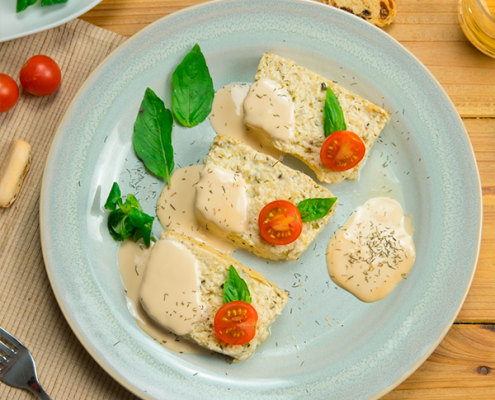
pixel 176 209
pixel 269 107
pixel 170 291
pixel 221 199
pixel 227 118
pixel 374 250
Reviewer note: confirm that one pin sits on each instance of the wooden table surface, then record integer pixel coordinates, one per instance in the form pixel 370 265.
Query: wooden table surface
pixel 462 367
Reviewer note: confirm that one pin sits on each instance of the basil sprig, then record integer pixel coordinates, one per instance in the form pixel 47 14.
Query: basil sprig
pixel 153 135
pixel 127 219
pixel 23 4
pixel 235 288
pixel 333 116
pixel 313 209
pixel 51 2
pixel 193 89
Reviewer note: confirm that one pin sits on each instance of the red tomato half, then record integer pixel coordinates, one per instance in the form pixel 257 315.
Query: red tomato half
pixel 9 93
pixel 342 150
pixel 40 76
pixel 280 222
pixel 235 322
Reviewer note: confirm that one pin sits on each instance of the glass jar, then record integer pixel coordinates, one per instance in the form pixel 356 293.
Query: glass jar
pixel 478 25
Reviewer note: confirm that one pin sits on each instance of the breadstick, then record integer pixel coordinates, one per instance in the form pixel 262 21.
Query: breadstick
pixel 13 170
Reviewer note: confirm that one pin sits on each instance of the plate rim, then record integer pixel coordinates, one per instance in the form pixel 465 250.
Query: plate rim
pixel 69 18
pixel 310 3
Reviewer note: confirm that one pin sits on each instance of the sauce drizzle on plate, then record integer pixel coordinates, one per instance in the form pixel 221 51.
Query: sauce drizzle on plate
pixel 132 264
pixel 374 250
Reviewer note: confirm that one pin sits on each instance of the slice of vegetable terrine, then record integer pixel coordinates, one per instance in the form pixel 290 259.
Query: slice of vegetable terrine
pixel 213 266
pixel 268 180
pixel 308 91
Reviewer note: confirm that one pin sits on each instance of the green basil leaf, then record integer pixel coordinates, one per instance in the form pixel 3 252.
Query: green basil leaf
pixel 147 233
pixel 139 218
pixel 113 197
pixel 193 89
pixel 114 221
pixel 313 209
pixel 128 220
pixel 333 116
pixel 235 288
pixel 130 203
pixel 137 235
pixel 153 135
pixel 124 227
pixel 51 2
pixel 23 4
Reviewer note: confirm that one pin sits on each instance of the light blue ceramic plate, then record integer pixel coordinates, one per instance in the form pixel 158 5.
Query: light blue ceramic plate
pixel 423 159
pixel 36 18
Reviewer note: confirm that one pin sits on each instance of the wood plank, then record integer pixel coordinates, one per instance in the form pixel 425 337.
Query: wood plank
pixel 462 367
pixel 433 34
pixel 466 74
pixel 480 302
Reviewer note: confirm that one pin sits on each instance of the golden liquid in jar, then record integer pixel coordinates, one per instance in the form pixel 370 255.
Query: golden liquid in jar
pixel 477 19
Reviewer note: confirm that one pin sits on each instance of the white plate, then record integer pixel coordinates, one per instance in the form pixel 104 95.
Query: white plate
pixel 36 18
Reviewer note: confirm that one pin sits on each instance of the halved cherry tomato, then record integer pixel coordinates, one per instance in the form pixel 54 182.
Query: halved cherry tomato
pixel 342 150
pixel 235 322
pixel 9 93
pixel 280 222
pixel 40 75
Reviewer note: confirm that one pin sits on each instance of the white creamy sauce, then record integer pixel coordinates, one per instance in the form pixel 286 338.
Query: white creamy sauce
pixel 132 264
pixel 269 107
pixel 227 118
pixel 170 290
pixel 176 209
pixel 221 199
pixel 374 250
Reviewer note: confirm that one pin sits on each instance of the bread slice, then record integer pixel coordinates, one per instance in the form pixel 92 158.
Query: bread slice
pixel 308 91
pixel 267 298
pixel 267 180
pixel 379 12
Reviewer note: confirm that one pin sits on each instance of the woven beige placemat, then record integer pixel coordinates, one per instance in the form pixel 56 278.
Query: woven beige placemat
pixel 28 308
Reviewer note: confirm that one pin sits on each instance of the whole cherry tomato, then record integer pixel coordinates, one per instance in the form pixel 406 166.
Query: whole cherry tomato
pixel 280 222
pixel 342 150
pixel 235 322
pixel 40 75
pixel 9 93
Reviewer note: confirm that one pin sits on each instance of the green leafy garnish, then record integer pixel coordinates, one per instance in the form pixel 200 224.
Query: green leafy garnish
pixel 235 288
pixel 153 135
pixel 193 89
pixel 313 209
pixel 113 197
pixel 128 220
pixel 51 2
pixel 333 116
pixel 23 4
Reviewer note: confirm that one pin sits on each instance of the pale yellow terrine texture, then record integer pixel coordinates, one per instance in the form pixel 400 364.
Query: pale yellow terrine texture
pixel 267 180
pixel 267 298
pixel 308 91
